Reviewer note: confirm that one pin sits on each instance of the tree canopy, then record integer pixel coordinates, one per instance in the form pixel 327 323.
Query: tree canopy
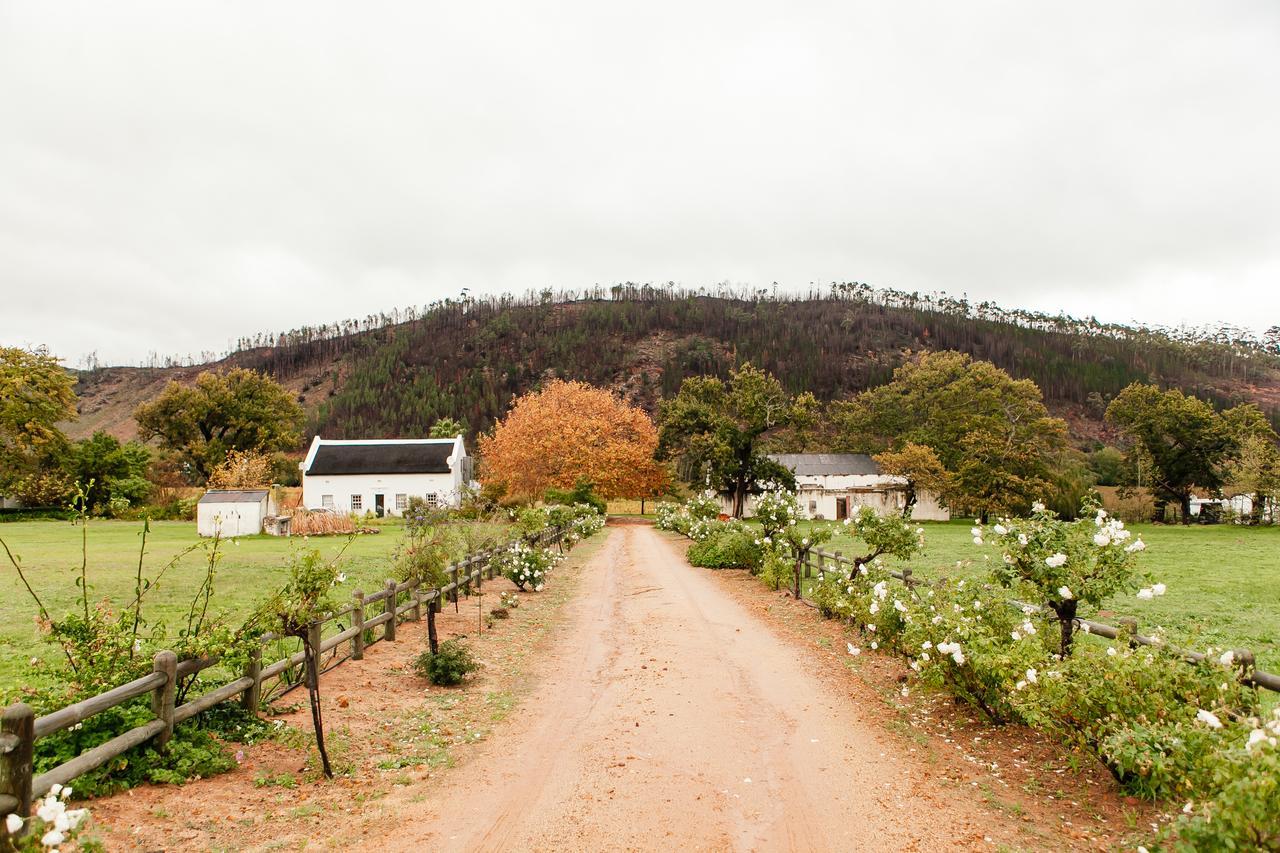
pixel 237 410
pixel 447 428
pixel 712 429
pixel 1182 440
pixel 35 395
pixel 567 432
pixel 991 432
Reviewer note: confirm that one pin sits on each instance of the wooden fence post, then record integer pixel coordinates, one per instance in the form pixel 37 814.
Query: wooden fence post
pixel 796 580
pixel 1245 664
pixel 1128 626
pixel 17 747
pixel 312 661
pixel 433 606
pixel 389 628
pixel 907 580
pixel 417 601
pixel 163 697
pixel 357 621
pixel 252 696
pixel 453 576
pixel 821 563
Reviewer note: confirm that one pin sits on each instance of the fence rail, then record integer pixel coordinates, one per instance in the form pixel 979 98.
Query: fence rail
pixel 20 728
pixel 816 558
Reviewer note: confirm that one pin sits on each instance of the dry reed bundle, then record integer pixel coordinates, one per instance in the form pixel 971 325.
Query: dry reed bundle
pixel 307 523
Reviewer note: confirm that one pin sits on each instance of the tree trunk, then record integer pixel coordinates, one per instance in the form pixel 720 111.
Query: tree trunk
pixel 911 499
pixel 433 640
pixel 1186 508
pixel 311 652
pixel 1066 611
pixel 739 497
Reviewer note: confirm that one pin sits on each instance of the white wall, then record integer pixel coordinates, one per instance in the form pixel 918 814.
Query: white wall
pixel 884 494
pixel 343 486
pixel 230 519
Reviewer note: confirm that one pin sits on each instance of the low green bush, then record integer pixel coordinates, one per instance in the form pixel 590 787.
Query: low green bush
pixel 448 666
pixel 726 545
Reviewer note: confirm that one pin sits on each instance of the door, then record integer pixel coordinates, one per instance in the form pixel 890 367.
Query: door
pixel 379 505
pixel 842 509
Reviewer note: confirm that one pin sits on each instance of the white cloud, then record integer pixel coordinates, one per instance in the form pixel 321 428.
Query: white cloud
pixel 177 175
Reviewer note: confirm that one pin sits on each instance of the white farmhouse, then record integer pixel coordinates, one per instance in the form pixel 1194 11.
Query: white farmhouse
pixel 232 512
pixel 380 475
pixel 834 485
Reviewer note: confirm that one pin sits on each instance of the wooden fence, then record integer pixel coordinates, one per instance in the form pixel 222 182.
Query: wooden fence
pixel 820 560
pixel 20 728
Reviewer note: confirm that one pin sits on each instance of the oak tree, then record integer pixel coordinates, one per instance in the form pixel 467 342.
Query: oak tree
pixel 713 429
pixel 237 410
pixel 568 432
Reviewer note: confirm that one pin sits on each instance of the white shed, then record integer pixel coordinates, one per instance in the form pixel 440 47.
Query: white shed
pixel 232 512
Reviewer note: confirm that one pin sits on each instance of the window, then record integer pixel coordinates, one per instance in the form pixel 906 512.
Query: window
pixel 402 501
pixel 326 501
pixel 433 499
pixel 813 507
pixel 357 503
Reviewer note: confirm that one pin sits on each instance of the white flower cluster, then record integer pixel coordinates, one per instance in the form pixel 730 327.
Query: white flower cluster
pixel 59 821
pixel 953 649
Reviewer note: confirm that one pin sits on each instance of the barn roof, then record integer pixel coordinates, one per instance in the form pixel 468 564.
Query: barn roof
pixel 819 464
pixel 389 457
pixel 233 496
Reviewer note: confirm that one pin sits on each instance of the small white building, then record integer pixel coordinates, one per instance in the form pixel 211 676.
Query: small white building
pixel 833 485
pixel 232 512
pixel 380 475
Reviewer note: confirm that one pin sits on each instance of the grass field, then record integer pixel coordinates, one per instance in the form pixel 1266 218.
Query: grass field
pixel 1224 580
pixel 251 567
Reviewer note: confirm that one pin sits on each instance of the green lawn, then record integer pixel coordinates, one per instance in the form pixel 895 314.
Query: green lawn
pixel 251 567
pixel 1223 580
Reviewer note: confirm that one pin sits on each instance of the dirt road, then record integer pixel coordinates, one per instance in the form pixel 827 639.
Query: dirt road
pixel 669 717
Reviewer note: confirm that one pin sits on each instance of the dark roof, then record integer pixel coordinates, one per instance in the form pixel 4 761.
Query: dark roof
pixel 233 496
pixel 818 464
pixel 424 458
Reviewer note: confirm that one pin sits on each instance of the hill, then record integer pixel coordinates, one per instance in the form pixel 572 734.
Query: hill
pixel 395 375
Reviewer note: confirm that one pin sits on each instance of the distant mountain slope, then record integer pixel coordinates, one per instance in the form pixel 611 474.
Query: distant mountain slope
pixel 467 359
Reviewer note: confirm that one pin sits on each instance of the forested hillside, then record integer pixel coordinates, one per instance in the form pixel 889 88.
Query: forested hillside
pixel 394 375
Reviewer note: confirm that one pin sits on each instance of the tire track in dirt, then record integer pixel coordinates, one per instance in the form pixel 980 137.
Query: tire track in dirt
pixel 668 716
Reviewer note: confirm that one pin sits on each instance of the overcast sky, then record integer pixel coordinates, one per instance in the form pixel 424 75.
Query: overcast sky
pixel 174 175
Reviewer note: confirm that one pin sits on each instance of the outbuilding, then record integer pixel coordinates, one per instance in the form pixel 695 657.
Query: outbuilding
pixel 232 512
pixel 380 475
pixel 834 486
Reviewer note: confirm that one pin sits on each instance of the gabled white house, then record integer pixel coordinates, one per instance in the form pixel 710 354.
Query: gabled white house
pixel 833 485
pixel 380 475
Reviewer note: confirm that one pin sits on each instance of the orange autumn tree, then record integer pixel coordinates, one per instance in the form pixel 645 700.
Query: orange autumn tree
pixel 570 431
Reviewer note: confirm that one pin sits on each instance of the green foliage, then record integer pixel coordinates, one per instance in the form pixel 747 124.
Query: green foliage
pixel 727 545
pixel 775 510
pixel 525 565
pixel 711 428
pixel 884 535
pixel 582 493
pixel 447 667
pixel 447 428
pixel 238 410
pixel 113 472
pixel 35 395
pixel 1243 812
pixel 682 518
pixel 1063 563
pixel 1185 441
pixel 991 433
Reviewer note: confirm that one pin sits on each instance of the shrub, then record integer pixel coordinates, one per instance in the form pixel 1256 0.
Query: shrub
pixel 1243 812
pixel 726 545
pixel 1063 563
pixel 447 667
pixel 525 566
